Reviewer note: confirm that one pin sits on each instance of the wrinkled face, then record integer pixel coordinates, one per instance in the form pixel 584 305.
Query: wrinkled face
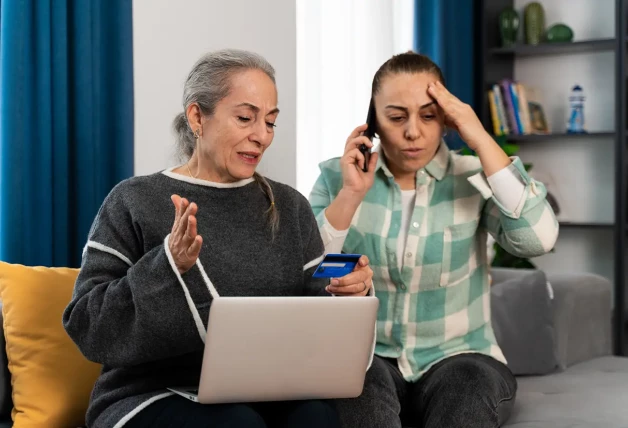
pixel 410 123
pixel 241 128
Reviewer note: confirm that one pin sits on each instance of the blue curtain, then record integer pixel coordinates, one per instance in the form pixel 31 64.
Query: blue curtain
pixel 443 30
pixel 66 122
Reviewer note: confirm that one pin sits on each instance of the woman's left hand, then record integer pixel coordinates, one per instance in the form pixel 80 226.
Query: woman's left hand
pixel 357 283
pixel 459 116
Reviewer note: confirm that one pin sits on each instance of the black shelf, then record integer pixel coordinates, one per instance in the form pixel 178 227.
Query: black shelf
pixel 493 64
pixel 550 137
pixel 596 45
pixel 586 225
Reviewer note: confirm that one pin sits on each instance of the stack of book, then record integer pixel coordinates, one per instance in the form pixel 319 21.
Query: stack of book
pixel 516 109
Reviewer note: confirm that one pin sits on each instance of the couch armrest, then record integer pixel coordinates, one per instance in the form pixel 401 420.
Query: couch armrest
pixel 582 314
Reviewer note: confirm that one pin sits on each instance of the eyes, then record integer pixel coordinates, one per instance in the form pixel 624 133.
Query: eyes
pixel 246 120
pixel 398 118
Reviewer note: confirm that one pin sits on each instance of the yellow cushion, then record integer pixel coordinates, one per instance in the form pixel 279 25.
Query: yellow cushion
pixel 51 379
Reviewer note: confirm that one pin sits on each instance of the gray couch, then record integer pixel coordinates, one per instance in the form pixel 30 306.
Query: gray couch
pixel 588 388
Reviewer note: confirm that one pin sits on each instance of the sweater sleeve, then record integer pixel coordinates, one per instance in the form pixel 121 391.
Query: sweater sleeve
pixel 313 250
pixel 131 306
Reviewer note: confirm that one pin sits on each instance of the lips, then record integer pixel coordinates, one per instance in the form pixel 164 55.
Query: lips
pixel 251 158
pixel 413 152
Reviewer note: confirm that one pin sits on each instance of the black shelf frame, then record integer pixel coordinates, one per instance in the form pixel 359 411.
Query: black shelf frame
pixel 523 138
pixel 586 225
pixel 494 63
pixel 581 46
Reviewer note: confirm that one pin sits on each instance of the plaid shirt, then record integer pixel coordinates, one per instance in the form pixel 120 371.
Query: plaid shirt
pixel 438 304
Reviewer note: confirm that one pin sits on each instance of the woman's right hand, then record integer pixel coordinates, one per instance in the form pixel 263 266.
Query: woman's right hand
pixel 354 179
pixel 184 243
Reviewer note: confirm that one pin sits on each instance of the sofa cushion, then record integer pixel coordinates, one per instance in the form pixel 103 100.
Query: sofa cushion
pixel 522 318
pixel 593 394
pixel 51 380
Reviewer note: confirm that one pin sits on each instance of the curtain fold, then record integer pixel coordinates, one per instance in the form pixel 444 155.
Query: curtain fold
pixel 444 31
pixel 66 122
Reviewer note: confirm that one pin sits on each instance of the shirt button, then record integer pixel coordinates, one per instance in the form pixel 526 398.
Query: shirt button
pixel 415 224
pixel 408 255
pixel 403 286
pixel 398 349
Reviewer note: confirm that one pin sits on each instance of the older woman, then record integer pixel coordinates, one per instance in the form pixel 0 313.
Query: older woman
pixel 151 270
pixel 422 214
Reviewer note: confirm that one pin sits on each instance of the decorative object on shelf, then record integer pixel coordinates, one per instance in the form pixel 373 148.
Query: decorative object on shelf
pixel 509 26
pixel 537 118
pixel 559 33
pixel 575 124
pixel 534 23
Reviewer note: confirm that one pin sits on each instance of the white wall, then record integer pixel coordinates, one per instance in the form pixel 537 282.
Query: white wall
pixel 168 38
pixel 583 169
pixel 340 46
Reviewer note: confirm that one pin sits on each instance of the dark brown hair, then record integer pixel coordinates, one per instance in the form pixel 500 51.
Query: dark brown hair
pixel 408 62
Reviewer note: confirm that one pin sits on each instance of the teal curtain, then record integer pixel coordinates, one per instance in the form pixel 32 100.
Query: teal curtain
pixel 444 31
pixel 66 125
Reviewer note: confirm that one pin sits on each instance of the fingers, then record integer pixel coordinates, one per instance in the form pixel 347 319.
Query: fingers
pixel 356 277
pixel 176 200
pixel 357 142
pixel 355 156
pixel 193 251
pixel 184 221
pixel 357 132
pixel 364 261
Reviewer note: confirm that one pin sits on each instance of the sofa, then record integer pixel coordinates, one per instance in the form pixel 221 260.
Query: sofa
pixel 566 372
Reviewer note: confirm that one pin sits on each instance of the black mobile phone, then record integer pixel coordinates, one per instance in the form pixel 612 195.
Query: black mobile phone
pixel 369 133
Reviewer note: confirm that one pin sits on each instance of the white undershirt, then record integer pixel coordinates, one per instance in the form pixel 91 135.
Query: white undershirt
pixel 408 198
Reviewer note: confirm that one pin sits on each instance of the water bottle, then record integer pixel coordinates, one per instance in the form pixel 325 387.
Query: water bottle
pixel 575 124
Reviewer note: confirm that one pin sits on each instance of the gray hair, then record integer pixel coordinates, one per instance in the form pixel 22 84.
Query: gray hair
pixel 208 82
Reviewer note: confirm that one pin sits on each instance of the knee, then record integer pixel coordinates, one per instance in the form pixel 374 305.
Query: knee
pixel 315 413
pixel 242 416
pixel 463 377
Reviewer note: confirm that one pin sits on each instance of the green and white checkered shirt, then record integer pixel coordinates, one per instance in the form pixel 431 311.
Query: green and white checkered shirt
pixel 438 304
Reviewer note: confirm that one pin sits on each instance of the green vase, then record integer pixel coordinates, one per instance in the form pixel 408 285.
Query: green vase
pixel 508 26
pixel 534 23
pixel 558 33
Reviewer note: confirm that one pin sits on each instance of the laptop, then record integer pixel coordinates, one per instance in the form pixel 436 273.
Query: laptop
pixel 285 348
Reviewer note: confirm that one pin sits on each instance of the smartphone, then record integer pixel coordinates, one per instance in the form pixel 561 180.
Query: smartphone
pixel 336 265
pixel 369 133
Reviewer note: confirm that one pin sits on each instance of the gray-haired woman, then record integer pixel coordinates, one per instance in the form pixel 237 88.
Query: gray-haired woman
pixel 150 270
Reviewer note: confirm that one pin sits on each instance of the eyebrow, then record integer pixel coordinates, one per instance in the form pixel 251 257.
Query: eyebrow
pixel 406 109
pixel 256 109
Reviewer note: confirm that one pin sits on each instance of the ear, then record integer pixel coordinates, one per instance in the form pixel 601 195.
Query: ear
pixel 195 117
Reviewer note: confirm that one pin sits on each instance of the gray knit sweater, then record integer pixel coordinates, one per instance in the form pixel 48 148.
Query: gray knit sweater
pixel 146 324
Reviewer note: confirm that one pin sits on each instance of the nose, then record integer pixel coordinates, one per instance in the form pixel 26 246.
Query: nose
pixel 412 131
pixel 261 135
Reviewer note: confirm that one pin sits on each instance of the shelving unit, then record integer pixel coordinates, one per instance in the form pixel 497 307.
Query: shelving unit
pixel 494 63
pixel 549 137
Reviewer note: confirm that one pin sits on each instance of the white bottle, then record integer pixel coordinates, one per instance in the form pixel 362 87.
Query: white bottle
pixel 575 123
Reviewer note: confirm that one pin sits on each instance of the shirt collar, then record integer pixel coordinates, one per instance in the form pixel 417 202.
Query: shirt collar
pixel 437 167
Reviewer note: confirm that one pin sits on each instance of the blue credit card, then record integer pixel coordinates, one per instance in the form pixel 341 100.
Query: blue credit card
pixel 336 265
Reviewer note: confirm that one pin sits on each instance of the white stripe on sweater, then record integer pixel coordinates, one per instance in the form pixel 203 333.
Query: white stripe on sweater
pixel 208 283
pixel 313 263
pixel 101 247
pixel 141 407
pixel 195 314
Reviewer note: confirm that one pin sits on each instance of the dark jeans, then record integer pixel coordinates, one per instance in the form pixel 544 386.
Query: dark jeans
pixel 179 412
pixel 463 391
